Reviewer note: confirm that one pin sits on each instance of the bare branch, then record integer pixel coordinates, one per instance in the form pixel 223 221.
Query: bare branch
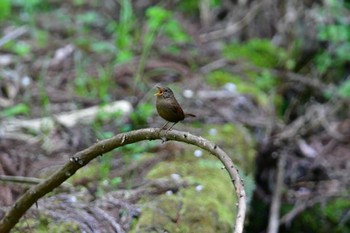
pixel 82 158
pixel 231 29
pixel 13 35
pixel 20 179
pixel 276 199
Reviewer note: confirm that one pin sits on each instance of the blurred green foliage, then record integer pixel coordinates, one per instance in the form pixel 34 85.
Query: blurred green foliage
pixel 332 216
pixel 132 38
pixel 123 30
pixel 29 7
pixel 42 223
pixel 141 114
pixel 163 21
pixel 20 48
pixel 336 34
pixel 18 109
pixel 41 37
pixel 344 89
pixel 259 52
pixel 160 22
pixel 98 87
pixel 5 9
pixel 259 82
pixel 191 7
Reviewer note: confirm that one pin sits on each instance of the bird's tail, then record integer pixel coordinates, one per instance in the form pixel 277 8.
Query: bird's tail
pixel 189 115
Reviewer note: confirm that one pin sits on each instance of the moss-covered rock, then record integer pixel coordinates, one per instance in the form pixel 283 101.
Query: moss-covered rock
pixel 207 205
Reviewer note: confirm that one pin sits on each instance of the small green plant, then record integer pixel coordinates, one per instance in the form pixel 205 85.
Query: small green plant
pixel 123 32
pixel 191 7
pixel 44 97
pixel 257 84
pixel 41 37
pixel 344 89
pixel 19 109
pixel 339 37
pixel 30 7
pixel 159 22
pixel 5 9
pixel 259 52
pixel 94 87
pixel 81 78
pixel 19 48
pixel 260 82
pixel 88 18
pixel 105 166
pixel 103 84
pixel 141 114
pixel 336 33
pixel 101 119
pixel 331 61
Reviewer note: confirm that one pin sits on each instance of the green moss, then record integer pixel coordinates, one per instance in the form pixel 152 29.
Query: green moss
pixel 211 209
pixel 219 78
pixel 236 141
pixel 45 224
pixel 253 83
pixel 259 52
pixel 330 215
pixel 90 171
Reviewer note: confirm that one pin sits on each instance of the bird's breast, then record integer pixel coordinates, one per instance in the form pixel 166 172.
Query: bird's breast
pixel 170 111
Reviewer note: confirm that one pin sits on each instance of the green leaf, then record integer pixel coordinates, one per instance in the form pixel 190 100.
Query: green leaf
pixel 107 134
pixel 334 33
pixel 102 47
pixel 344 89
pixel 15 110
pixel 124 56
pixel 89 17
pixel 156 16
pixel 5 9
pixel 116 180
pixel 141 114
pixel 343 51
pixel 323 62
pixel 26 3
pixel 175 32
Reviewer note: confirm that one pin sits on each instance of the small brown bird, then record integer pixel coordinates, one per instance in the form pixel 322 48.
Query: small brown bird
pixel 168 107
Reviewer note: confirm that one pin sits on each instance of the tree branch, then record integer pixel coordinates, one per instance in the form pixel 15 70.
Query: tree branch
pixel 82 158
pixel 232 28
pixel 276 198
pixel 20 179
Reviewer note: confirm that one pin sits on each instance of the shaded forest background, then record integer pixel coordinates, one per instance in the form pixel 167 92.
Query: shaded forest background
pixel 268 81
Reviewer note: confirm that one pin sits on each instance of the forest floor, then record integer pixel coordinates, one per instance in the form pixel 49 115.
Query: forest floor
pixel 59 58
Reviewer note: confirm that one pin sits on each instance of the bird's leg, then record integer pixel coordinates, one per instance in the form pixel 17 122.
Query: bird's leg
pixel 170 127
pixel 166 123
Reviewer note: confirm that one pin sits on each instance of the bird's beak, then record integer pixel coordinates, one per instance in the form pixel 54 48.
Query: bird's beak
pixel 160 91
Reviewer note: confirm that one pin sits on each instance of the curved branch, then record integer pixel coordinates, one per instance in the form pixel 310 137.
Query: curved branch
pixel 82 158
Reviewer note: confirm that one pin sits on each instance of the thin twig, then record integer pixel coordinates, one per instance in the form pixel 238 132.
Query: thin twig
pixel 276 198
pixel 20 179
pixel 13 35
pixel 299 208
pixel 230 29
